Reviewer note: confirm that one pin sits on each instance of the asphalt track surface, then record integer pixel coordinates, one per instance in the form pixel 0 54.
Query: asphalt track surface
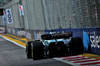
pixel 13 55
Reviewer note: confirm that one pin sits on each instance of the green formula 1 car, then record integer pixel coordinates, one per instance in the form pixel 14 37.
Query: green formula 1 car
pixel 54 45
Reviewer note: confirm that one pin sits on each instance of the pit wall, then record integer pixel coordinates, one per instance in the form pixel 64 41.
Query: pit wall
pixel 19 32
pixel 32 35
pixel 90 37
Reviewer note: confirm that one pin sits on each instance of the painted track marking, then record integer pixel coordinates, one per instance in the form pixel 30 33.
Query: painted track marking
pixel 79 60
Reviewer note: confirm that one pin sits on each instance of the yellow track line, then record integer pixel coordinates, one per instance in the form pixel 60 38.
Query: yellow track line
pixel 17 37
pixel 19 42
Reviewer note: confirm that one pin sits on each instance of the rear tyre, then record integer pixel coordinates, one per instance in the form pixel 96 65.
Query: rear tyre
pixel 28 50
pixel 37 50
pixel 76 46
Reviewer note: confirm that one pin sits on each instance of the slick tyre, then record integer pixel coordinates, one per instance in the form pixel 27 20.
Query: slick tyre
pixel 28 50
pixel 37 50
pixel 76 46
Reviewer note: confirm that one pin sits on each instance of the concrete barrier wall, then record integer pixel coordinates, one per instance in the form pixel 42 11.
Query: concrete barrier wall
pixel 34 35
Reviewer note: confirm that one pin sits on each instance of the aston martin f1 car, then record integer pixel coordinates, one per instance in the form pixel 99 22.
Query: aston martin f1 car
pixel 54 45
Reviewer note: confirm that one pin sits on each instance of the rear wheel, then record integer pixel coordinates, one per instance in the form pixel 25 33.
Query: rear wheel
pixel 37 50
pixel 28 50
pixel 76 46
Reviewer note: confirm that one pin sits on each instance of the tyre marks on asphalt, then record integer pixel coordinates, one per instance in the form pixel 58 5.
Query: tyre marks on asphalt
pixel 79 60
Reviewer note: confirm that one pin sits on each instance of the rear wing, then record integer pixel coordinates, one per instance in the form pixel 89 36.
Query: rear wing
pixel 56 36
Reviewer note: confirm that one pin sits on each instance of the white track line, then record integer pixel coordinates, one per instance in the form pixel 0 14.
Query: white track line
pixel 74 64
pixel 13 42
pixel 82 58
